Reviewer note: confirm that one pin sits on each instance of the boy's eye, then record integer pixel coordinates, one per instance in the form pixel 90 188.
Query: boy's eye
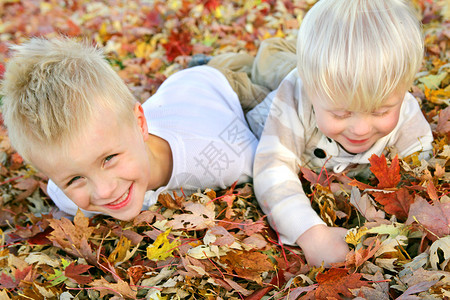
pixel 380 113
pixel 74 179
pixel 341 114
pixel 109 157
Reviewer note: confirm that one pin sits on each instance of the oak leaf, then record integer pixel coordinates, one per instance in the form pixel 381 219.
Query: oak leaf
pixel 336 282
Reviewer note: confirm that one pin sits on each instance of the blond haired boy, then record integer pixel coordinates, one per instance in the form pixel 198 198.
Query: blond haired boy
pixel 346 100
pixel 71 116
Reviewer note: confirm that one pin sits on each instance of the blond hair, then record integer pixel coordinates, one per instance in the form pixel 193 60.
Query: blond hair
pixel 51 88
pixel 358 52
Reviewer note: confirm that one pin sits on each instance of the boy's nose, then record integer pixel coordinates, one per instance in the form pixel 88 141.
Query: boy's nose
pixel 103 189
pixel 360 126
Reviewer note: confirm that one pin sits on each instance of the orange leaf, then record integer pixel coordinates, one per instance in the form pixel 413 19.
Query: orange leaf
pixel 357 257
pixel 337 281
pixel 388 176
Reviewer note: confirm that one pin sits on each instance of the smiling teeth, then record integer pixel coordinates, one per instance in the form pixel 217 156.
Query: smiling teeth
pixel 124 196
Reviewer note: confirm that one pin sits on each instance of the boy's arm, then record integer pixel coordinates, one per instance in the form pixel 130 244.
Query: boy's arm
pixel 414 132
pixel 279 190
pixel 277 164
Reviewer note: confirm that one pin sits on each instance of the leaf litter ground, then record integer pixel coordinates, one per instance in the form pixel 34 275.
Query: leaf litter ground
pixel 217 244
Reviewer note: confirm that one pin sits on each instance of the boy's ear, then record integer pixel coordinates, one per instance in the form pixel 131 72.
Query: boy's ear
pixel 142 121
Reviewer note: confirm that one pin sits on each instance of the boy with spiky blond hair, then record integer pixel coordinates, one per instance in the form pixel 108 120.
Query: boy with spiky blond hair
pixel 71 116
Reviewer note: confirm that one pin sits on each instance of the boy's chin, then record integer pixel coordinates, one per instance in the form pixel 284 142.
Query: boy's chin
pixel 351 149
pixel 126 215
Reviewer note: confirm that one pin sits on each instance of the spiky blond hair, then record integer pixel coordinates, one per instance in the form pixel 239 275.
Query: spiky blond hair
pixel 51 88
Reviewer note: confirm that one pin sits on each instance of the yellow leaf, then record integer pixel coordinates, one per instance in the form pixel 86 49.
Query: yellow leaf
pixel 279 33
pixel 354 235
pixel 218 13
pixel 162 248
pixel 45 7
pixel 439 96
pixel 121 250
pixel 103 30
pixel 143 50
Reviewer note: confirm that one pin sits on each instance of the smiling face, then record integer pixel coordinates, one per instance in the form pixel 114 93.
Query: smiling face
pixel 106 168
pixel 356 131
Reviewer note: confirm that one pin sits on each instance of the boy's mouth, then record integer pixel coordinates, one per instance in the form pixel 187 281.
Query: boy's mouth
pixel 357 141
pixel 122 201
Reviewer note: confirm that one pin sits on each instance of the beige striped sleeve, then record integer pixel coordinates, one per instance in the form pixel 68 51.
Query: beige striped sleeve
pixel 277 164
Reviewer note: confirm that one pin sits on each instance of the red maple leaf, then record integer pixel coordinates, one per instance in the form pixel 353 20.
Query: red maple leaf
pixel 26 274
pixel 388 176
pixel 336 282
pixel 211 5
pixel 6 282
pixel 179 43
pixel 153 19
pixel 73 272
pixel 396 203
pixel 2 70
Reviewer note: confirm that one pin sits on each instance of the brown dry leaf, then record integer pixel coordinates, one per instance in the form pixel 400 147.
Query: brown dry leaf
pixel 443 125
pixel 73 237
pixel 249 265
pixel 223 237
pixel 202 217
pixel 121 288
pixel 365 206
pixel 434 218
pixel 170 202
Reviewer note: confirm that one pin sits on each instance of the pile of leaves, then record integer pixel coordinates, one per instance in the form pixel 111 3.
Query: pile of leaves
pixel 217 244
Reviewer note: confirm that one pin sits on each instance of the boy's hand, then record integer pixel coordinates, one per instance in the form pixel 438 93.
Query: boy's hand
pixel 325 244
